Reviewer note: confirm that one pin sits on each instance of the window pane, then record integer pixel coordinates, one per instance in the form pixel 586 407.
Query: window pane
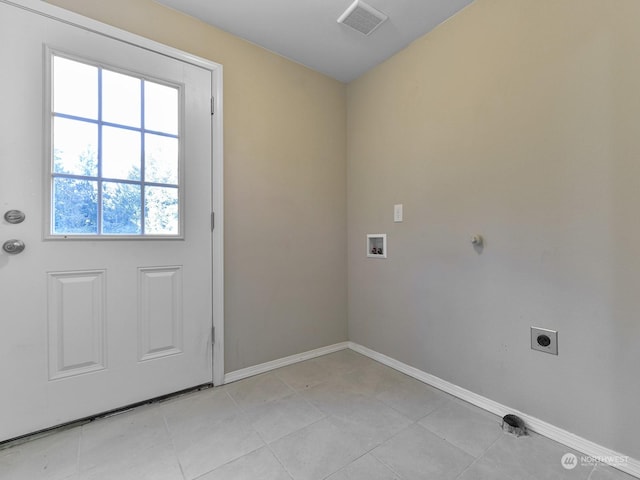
pixel 121 99
pixel 160 108
pixel 75 206
pixel 161 211
pixel 112 135
pixel 161 159
pixel 75 89
pixel 120 208
pixel 121 153
pixel 74 147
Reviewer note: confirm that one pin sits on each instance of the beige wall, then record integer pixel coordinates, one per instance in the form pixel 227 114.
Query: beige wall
pixel 285 186
pixel 518 120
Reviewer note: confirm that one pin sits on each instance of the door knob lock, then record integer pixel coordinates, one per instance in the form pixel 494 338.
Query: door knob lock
pixel 13 246
pixel 14 216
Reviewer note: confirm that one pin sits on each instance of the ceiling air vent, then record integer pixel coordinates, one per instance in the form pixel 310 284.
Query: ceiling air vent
pixel 362 17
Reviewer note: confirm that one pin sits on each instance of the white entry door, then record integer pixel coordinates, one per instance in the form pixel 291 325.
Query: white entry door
pixel 106 147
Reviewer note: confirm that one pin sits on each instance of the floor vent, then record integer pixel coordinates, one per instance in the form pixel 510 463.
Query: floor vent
pixel 362 17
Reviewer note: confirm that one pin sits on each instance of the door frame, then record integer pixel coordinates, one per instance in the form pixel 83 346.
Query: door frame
pixel 217 167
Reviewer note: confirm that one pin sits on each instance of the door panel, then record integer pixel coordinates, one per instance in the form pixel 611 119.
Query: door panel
pixel 89 325
pixel 76 322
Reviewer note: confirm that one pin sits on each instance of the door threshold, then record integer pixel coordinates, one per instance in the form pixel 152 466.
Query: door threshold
pixel 13 442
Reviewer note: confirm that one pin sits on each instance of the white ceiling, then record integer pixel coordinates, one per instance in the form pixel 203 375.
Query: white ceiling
pixel 307 31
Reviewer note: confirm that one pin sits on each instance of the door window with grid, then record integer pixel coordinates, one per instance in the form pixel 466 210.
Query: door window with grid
pixel 115 156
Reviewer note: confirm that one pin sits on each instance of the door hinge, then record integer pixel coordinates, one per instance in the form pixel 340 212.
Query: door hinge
pixel 213 105
pixel 213 220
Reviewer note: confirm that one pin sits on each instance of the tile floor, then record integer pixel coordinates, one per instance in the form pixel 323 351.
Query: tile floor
pixel 337 417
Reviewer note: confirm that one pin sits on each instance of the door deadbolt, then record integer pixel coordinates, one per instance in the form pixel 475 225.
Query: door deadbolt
pixel 14 216
pixel 13 246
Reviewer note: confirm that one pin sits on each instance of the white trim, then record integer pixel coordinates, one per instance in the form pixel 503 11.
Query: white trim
pixel 632 466
pixel 283 362
pixel 217 207
pixel 45 9
pixel 587 447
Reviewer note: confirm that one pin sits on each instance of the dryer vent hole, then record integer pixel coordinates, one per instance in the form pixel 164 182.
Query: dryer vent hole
pixel 514 425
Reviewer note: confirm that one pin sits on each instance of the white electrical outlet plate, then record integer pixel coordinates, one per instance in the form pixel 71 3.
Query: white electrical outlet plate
pixel 544 340
pixel 397 213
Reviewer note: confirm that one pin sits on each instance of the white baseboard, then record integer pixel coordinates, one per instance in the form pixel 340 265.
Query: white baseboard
pixel 587 447
pixel 282 362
